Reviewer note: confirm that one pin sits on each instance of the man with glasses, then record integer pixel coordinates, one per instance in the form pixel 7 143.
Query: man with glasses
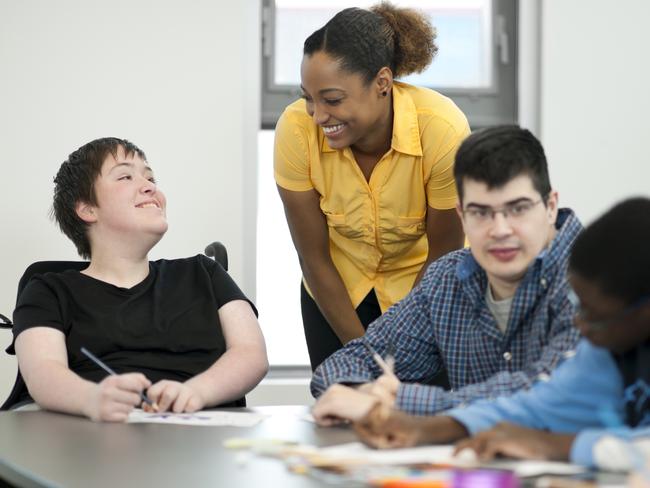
pixel 595 409
pixel 496 316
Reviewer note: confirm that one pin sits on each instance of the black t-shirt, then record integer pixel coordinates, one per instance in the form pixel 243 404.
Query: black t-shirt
pixel 166 327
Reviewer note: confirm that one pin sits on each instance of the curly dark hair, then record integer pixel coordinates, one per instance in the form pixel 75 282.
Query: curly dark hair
pixel 364 41
pixel 75 182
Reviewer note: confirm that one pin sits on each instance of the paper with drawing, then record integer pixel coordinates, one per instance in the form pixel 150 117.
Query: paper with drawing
pixel 205 417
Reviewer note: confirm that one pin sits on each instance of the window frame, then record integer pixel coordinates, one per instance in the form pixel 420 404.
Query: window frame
pixel 493 105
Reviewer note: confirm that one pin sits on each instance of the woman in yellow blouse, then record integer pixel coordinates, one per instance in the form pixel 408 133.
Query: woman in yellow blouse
pixel 364 166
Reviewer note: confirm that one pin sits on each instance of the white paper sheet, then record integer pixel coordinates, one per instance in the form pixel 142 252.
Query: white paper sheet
pixel 525 469
pixel 357 453
pixel 206 418
pixel 307 417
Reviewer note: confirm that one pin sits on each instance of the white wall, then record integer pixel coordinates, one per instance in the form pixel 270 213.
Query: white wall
pixel 595 100
pixel 177 78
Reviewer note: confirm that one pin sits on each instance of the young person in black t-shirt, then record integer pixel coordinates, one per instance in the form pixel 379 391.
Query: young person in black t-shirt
pixel 181 329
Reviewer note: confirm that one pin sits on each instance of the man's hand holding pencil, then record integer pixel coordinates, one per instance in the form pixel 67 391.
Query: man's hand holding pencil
pixel 350 404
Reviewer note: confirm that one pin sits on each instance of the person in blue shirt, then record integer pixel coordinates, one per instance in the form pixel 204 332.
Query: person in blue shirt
pixel 495 315
pixel 595 408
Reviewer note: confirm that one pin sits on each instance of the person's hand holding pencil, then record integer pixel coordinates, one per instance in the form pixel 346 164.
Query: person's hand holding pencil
pixel 342 403
pixel 116 395
pixel 385 387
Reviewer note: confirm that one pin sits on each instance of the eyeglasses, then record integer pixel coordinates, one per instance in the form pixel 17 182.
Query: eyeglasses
pixel 478 216
pixel 605 323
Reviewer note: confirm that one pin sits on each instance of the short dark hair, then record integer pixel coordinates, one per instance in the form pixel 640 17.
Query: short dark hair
pixel 497 155
pixel 75 182
pixel 612 251
pixel 364 41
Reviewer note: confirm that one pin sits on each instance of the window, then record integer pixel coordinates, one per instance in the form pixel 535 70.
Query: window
pixel 475 65
pixel 277 296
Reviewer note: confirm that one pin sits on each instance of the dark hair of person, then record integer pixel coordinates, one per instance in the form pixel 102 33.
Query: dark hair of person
pixel 75 182
pixel 364 41
pixel 497 155
pixel 612 251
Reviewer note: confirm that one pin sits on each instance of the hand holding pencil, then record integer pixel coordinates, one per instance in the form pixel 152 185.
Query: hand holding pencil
pixel 385 387
pixel 115 396
pixel 342 403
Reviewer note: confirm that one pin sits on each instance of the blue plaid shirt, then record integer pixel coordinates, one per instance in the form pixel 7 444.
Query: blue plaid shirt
pixel 445 322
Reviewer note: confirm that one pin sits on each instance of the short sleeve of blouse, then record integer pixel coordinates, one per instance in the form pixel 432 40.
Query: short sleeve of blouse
pixel 440 141
pixel 291 154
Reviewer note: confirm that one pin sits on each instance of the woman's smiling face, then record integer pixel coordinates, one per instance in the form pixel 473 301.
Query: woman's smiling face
pixel 346 108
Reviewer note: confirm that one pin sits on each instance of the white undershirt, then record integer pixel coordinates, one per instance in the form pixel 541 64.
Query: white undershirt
pixel 500 308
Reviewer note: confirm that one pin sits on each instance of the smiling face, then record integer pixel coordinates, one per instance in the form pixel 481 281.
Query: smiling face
pixel 506 246
pixel 129 204
pixel 348 110
pixel 622 328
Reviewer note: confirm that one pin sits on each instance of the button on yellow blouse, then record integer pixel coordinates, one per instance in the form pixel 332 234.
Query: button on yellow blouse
pixel 377 228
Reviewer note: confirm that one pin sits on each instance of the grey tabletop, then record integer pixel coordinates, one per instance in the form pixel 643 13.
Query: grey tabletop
pixel 48 449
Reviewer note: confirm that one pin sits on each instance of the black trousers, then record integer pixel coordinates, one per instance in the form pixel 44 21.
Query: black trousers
pixel 321 339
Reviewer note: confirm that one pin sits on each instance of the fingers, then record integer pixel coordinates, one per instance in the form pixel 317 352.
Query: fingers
pixel 382 428
pixel 163 394
pixel 115 396
pixel 383 394
pixel 506 440
pixel 174 396
pixel 384 388
pixel 388 382
pixel 108 402
pixel 327 411
pixel 115 412
pixel 135 382
pixel 182 399
pixel 342 403
pixel 362 388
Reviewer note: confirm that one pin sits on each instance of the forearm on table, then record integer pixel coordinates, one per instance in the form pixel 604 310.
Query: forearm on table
pixel 233 375
pixel 53 386
pixel 441 429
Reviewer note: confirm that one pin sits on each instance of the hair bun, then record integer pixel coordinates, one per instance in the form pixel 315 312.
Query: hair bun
pixel 414 38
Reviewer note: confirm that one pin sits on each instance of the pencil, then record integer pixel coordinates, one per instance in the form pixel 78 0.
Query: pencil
pixel 385 365
pixel 106 368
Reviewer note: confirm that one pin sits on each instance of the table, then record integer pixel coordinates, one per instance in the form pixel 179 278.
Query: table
pixel 46 449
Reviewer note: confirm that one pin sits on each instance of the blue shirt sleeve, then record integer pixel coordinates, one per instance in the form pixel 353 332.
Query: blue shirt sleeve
pixel 584 393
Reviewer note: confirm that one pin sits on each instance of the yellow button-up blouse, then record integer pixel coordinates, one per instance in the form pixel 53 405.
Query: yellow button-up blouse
pixel 377 228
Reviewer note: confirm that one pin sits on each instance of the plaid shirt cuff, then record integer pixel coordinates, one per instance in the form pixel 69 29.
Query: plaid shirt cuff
pixel 419 399
pixel 319 383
